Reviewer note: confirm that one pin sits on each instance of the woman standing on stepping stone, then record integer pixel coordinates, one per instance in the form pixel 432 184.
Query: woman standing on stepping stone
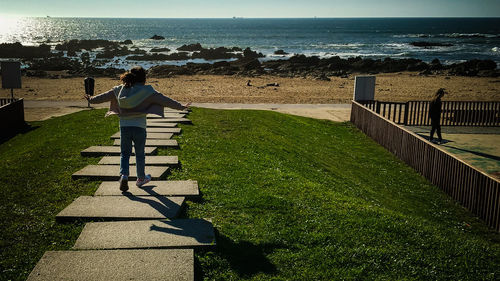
pixel 132 101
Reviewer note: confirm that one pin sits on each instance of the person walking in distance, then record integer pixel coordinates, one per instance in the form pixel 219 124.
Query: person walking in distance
pixel 132 101
pixel 435 115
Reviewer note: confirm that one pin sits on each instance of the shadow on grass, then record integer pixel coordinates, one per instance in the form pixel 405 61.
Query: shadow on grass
pixel 245 258
pixel 5 136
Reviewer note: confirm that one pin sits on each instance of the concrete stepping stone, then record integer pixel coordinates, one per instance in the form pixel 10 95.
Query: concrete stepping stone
pixel 161 135
pixel 169 120
pixel 182 233
pixel 163 130
pixel 168 110
pixel 115 265
pixel 127 207
pixel 95 151
pixel 160 125
pixel 155 143
pixel 112 172
pixel 153 188
pixel 166 115
pixel 165 136
pixel 150 160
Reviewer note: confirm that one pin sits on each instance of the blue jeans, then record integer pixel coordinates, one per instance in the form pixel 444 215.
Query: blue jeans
pixel 137 135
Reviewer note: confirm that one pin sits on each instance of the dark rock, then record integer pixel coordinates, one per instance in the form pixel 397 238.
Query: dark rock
pixel 221 64
pixel 17 50
pixel 169 70
pixel 249 54
pixel 215 54
pixel 96 72
pixel 302 59
pixel 419 66
pixel 425 44
pixel 247 64
pixel 36 73
pixel 160 57
pixel 110 53
pixel 191 48
pixel 127 42
pixel 54 64
pixel 473 67
pixel 157 37
pixel 78 45
pixel 157 50
pixel 280 52
pixel 85 57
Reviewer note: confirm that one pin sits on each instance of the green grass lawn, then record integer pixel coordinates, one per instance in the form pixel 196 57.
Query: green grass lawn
pixel 291 198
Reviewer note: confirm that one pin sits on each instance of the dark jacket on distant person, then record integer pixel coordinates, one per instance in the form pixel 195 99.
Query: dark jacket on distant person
pixel 435 109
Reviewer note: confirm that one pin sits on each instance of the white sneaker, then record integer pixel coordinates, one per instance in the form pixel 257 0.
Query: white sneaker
pixel 141 182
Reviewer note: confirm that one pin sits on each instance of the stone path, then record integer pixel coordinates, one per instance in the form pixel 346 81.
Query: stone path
pixel 126 207
pixel 153 188
pixel 163 130
pixel 161 135
pixel 150 160
pixel 146 234
pixel 112 172
pixel 95 151
pixel 169 120
pixel 154 143
pixel 138 235
pixel 152 135
pixel 115 265
pixel 161 125
pixel 167 115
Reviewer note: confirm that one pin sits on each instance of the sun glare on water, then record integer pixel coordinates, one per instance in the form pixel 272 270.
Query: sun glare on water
pixel 11 27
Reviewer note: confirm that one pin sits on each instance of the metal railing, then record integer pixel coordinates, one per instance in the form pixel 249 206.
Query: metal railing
pixel 453 113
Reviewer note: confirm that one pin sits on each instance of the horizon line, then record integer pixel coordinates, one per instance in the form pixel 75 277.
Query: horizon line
pixel 238 17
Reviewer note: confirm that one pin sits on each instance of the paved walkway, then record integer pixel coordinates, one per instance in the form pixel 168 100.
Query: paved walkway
pixel 41 110
pixel 478 146
pixel 138 235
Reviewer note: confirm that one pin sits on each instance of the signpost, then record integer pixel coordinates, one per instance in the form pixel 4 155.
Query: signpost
pixel 364 88
pixel 11 75
pixel 89 87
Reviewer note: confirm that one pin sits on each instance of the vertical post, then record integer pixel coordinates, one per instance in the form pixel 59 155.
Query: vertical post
pixel 405 120
pixel 89 83
pixel 12 93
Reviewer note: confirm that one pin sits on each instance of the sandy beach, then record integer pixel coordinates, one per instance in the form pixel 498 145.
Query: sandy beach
pixel 233 89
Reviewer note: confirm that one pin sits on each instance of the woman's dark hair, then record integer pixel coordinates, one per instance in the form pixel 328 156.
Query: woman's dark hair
pixel 136 74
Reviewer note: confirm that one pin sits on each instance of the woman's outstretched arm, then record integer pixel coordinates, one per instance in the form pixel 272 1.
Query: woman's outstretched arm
pixel 104 97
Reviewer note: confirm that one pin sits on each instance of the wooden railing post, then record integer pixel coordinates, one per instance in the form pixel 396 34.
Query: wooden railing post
pixel 405 121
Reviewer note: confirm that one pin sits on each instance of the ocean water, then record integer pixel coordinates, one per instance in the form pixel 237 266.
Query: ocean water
pixel 472 38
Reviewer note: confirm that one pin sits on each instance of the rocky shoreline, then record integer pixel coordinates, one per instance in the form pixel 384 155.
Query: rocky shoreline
pixel 88 58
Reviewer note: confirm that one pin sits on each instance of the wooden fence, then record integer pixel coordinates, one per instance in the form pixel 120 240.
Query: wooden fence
pixel 11 116
pixel 475 190
pixel 6 101
pixel 453 113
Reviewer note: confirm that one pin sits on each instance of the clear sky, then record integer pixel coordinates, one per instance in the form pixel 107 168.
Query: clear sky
pixel 250 8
